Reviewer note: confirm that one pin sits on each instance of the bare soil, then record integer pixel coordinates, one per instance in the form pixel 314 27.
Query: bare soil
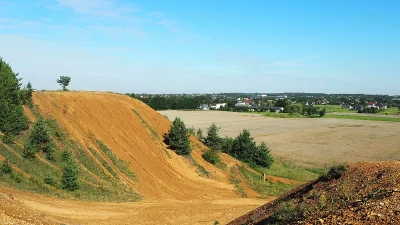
pixel 18 207
pixel 306 141
pixel 366 193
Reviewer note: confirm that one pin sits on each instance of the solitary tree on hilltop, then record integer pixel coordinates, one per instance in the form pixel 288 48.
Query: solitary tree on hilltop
pixel 64 82
pixel 178 138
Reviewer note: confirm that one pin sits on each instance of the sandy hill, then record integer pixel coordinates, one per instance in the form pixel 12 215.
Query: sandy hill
pixel 135 132
pixel 365 193
pixel 127 174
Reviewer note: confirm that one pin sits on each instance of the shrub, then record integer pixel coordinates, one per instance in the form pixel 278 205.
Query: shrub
pixel 199 134
pixel 178 138
pixel 335 172
pixel 49 180
pixel 16 177
pixel 211 156
pixel 322 112
pixel 7 138
pixel 6 167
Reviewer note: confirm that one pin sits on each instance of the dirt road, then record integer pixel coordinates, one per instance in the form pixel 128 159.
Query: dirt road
pixel 25 208
pixel 310 142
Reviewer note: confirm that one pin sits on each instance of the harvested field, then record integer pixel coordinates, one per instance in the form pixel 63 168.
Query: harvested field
pixel 306 141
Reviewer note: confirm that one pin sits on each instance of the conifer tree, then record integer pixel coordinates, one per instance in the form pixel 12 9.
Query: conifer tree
pixel 178 138
pixel 69 178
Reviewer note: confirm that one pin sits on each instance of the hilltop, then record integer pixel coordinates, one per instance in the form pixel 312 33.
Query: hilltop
pixel 362 193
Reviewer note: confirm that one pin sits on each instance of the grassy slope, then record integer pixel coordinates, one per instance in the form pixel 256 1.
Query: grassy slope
pixel 96 180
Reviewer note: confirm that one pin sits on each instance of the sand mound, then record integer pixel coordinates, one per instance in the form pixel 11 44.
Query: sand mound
pixel 366 193
pixel 135 132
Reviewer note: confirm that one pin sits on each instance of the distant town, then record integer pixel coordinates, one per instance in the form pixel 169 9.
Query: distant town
pixel 272 102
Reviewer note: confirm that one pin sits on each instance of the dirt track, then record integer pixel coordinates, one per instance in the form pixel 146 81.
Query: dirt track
pixel 311 142
pixel 32 208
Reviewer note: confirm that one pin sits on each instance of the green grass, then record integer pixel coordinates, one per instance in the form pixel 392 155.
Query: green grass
pixel 334 108
pixel 120 164
pixel 200 169
pixel 279 115
pixel 104 163
pixel 95 183
pixel 265 189
pixel 236 182
pixel 291 171
pixel 390 111
pixel 360 117
pixel 153 132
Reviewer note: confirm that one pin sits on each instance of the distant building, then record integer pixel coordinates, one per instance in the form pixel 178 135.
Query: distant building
pixel 204 107
pixel 240 104
pixel 218 105
pixel 371 105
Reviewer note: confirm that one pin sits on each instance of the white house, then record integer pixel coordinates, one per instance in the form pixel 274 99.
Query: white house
pixel 218 105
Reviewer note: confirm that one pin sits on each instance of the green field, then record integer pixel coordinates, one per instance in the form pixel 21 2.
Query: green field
pixel 334 108
pixel 390 111
pixel 360 117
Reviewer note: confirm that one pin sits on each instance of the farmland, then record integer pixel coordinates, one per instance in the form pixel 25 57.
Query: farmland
pixel 313 142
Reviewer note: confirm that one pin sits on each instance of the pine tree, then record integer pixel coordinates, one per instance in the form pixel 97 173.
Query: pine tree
pixel 213 140
pixel 12 118
pixel 262 156
pixel 244 146
pixel 178 138
pixel 39 140
pixel 69 178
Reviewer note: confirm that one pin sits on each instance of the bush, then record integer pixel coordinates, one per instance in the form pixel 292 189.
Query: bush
pixel 322 112
pixel 49 180
pixel 16 177
pixel 6 167
pixel 7 138
pixel 178 138
pixel 335 172
pixel 211 156
pixel 29 151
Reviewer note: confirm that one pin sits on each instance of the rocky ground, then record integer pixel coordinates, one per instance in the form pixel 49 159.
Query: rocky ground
pixel 366 193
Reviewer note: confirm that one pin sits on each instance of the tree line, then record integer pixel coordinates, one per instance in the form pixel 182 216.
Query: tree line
pixel 243 147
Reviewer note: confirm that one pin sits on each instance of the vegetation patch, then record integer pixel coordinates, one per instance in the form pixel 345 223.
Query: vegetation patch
pixel 236 182
pixel 361 117
pixel 150 128
pixel 200 169
pixel 104 163
pixel 264 188
pixel 120 164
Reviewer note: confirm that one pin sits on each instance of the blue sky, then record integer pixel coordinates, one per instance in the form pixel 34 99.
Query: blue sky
pixel 203 46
